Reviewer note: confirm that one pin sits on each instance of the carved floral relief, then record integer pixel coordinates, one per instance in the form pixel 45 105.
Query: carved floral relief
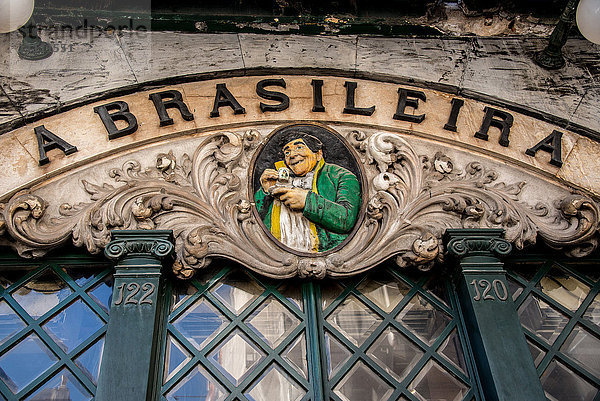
pixel 208 198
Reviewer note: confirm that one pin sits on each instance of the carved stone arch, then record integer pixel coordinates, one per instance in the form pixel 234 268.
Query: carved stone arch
pixel 195 182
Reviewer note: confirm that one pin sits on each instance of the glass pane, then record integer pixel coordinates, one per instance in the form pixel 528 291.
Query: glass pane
pixel 362 384
pixel 542 319
pixel 536 353
pixel 336 353
pixel 434 383
pixel 41 294
pixel 293 292
pixel 353 319
pixel 9 277
pixel 561 384
pixel 395 353
pixel 24 362
pixel 515 288
pixel 438 288
pixel 61 387
pixel 182 292
pixel 236 291
pixel 384 290
pixel 81 275
pixel 593 311
pixel 272 321
pixel 200 323
pixel 296 355
pixel 89 361
pixel 176 356
pixel 584 347
pixel 452 350
pixel 424 319
pixel 10 322
pixel 102 293
pixel 275 385
pixel 73 325
pixel 197 386
pixel 236 356
pixel 564 289
pixel 330 291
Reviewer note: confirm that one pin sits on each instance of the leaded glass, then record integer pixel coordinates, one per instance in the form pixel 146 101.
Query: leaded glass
pixel 360 383
pixel 200 323
pixel 435 383
pixel 560 384
pixel 10 322
pixel 593 311
pixel 197 385
pixel 25 361
pixel 102 293
pixel 424 319
pixel 354 320
pixel 452 349
pixel 275 385
pixel 395 353
pixel 536 353
pixel 176 356
pixel 541 318
pixel 384 290
pixel 564 288
pixel 236 356
pixel 42 293
pixel 236 291
pixel 584 347
pixel 89 361
pixel 336 353
pixel 62 386
pixel 272 321
pixel 295 354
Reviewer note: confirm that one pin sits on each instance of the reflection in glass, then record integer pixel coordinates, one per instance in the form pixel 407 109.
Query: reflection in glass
pixel 385 291
pixel 21 364
pixel 423 319
pixel 200 323
pixel 536 353
pixel 197 386
pixel 236 356
pixel 330 290
pixel 293 292
pixel 362 384
pixel 354 320
pixel 181 292
pixel 62 386
pixel 42 293
pixel 437 287
pixel 395 353
pixel 584 347
pixel 434 383
pixel 272 322
pixel 561 384
pixel 80 275
pixel 542 319
pixel 593 311
pixel 295 354
pixel 275 385
pixel 515 288
pixel 89 361
pixel 336 353
pixel 102 293
pixel 10 322
pixel 176 356
pixel 237 290
pixel 564 289
pixel 73 325
pixel 452 350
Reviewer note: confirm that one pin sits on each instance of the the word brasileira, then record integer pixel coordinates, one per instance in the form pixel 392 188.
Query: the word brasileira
pixel 408 100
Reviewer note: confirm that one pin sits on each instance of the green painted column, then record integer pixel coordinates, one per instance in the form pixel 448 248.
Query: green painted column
pixel 502 356
pixel 128 364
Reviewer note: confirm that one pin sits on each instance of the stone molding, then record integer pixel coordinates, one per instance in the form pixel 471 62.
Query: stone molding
pixel 156 244
pixel 412 199
pixel 477 242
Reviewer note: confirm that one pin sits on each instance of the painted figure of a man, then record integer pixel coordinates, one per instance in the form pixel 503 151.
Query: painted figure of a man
pixel 307 204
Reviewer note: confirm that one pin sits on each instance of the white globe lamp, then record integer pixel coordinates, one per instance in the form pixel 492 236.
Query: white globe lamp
pixel 14 14
pixel 588 19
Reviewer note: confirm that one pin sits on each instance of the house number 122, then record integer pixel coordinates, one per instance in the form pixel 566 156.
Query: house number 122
pixel 132 290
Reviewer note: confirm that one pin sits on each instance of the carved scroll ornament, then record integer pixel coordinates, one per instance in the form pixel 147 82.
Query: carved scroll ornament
pixel 205 200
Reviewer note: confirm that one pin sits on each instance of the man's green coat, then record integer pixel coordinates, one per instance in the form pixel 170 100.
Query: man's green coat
pixel 332 205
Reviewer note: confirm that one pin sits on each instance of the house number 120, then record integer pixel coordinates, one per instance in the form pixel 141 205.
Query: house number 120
pixel 498 286
pixel 132 290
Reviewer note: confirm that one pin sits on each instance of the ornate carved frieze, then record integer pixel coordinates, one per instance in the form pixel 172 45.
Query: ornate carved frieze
pixel 207 199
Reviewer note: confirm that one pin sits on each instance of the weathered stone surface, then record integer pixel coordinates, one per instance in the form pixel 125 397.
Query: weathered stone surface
pixel 85 67
pixel 291 51
pixel 582 165
pixel 158 55
pixel 411 58
pixel 504 69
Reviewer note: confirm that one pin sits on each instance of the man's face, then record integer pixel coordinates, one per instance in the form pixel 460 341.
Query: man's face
pixel 299 158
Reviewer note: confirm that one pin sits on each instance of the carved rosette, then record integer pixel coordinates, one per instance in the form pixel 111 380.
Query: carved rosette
pixel 204 199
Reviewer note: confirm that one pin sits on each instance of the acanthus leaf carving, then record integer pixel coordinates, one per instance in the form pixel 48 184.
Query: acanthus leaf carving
pixel 204 198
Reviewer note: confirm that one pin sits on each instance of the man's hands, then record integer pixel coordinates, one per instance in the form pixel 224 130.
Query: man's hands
pixel 268 178
pixel 294 198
